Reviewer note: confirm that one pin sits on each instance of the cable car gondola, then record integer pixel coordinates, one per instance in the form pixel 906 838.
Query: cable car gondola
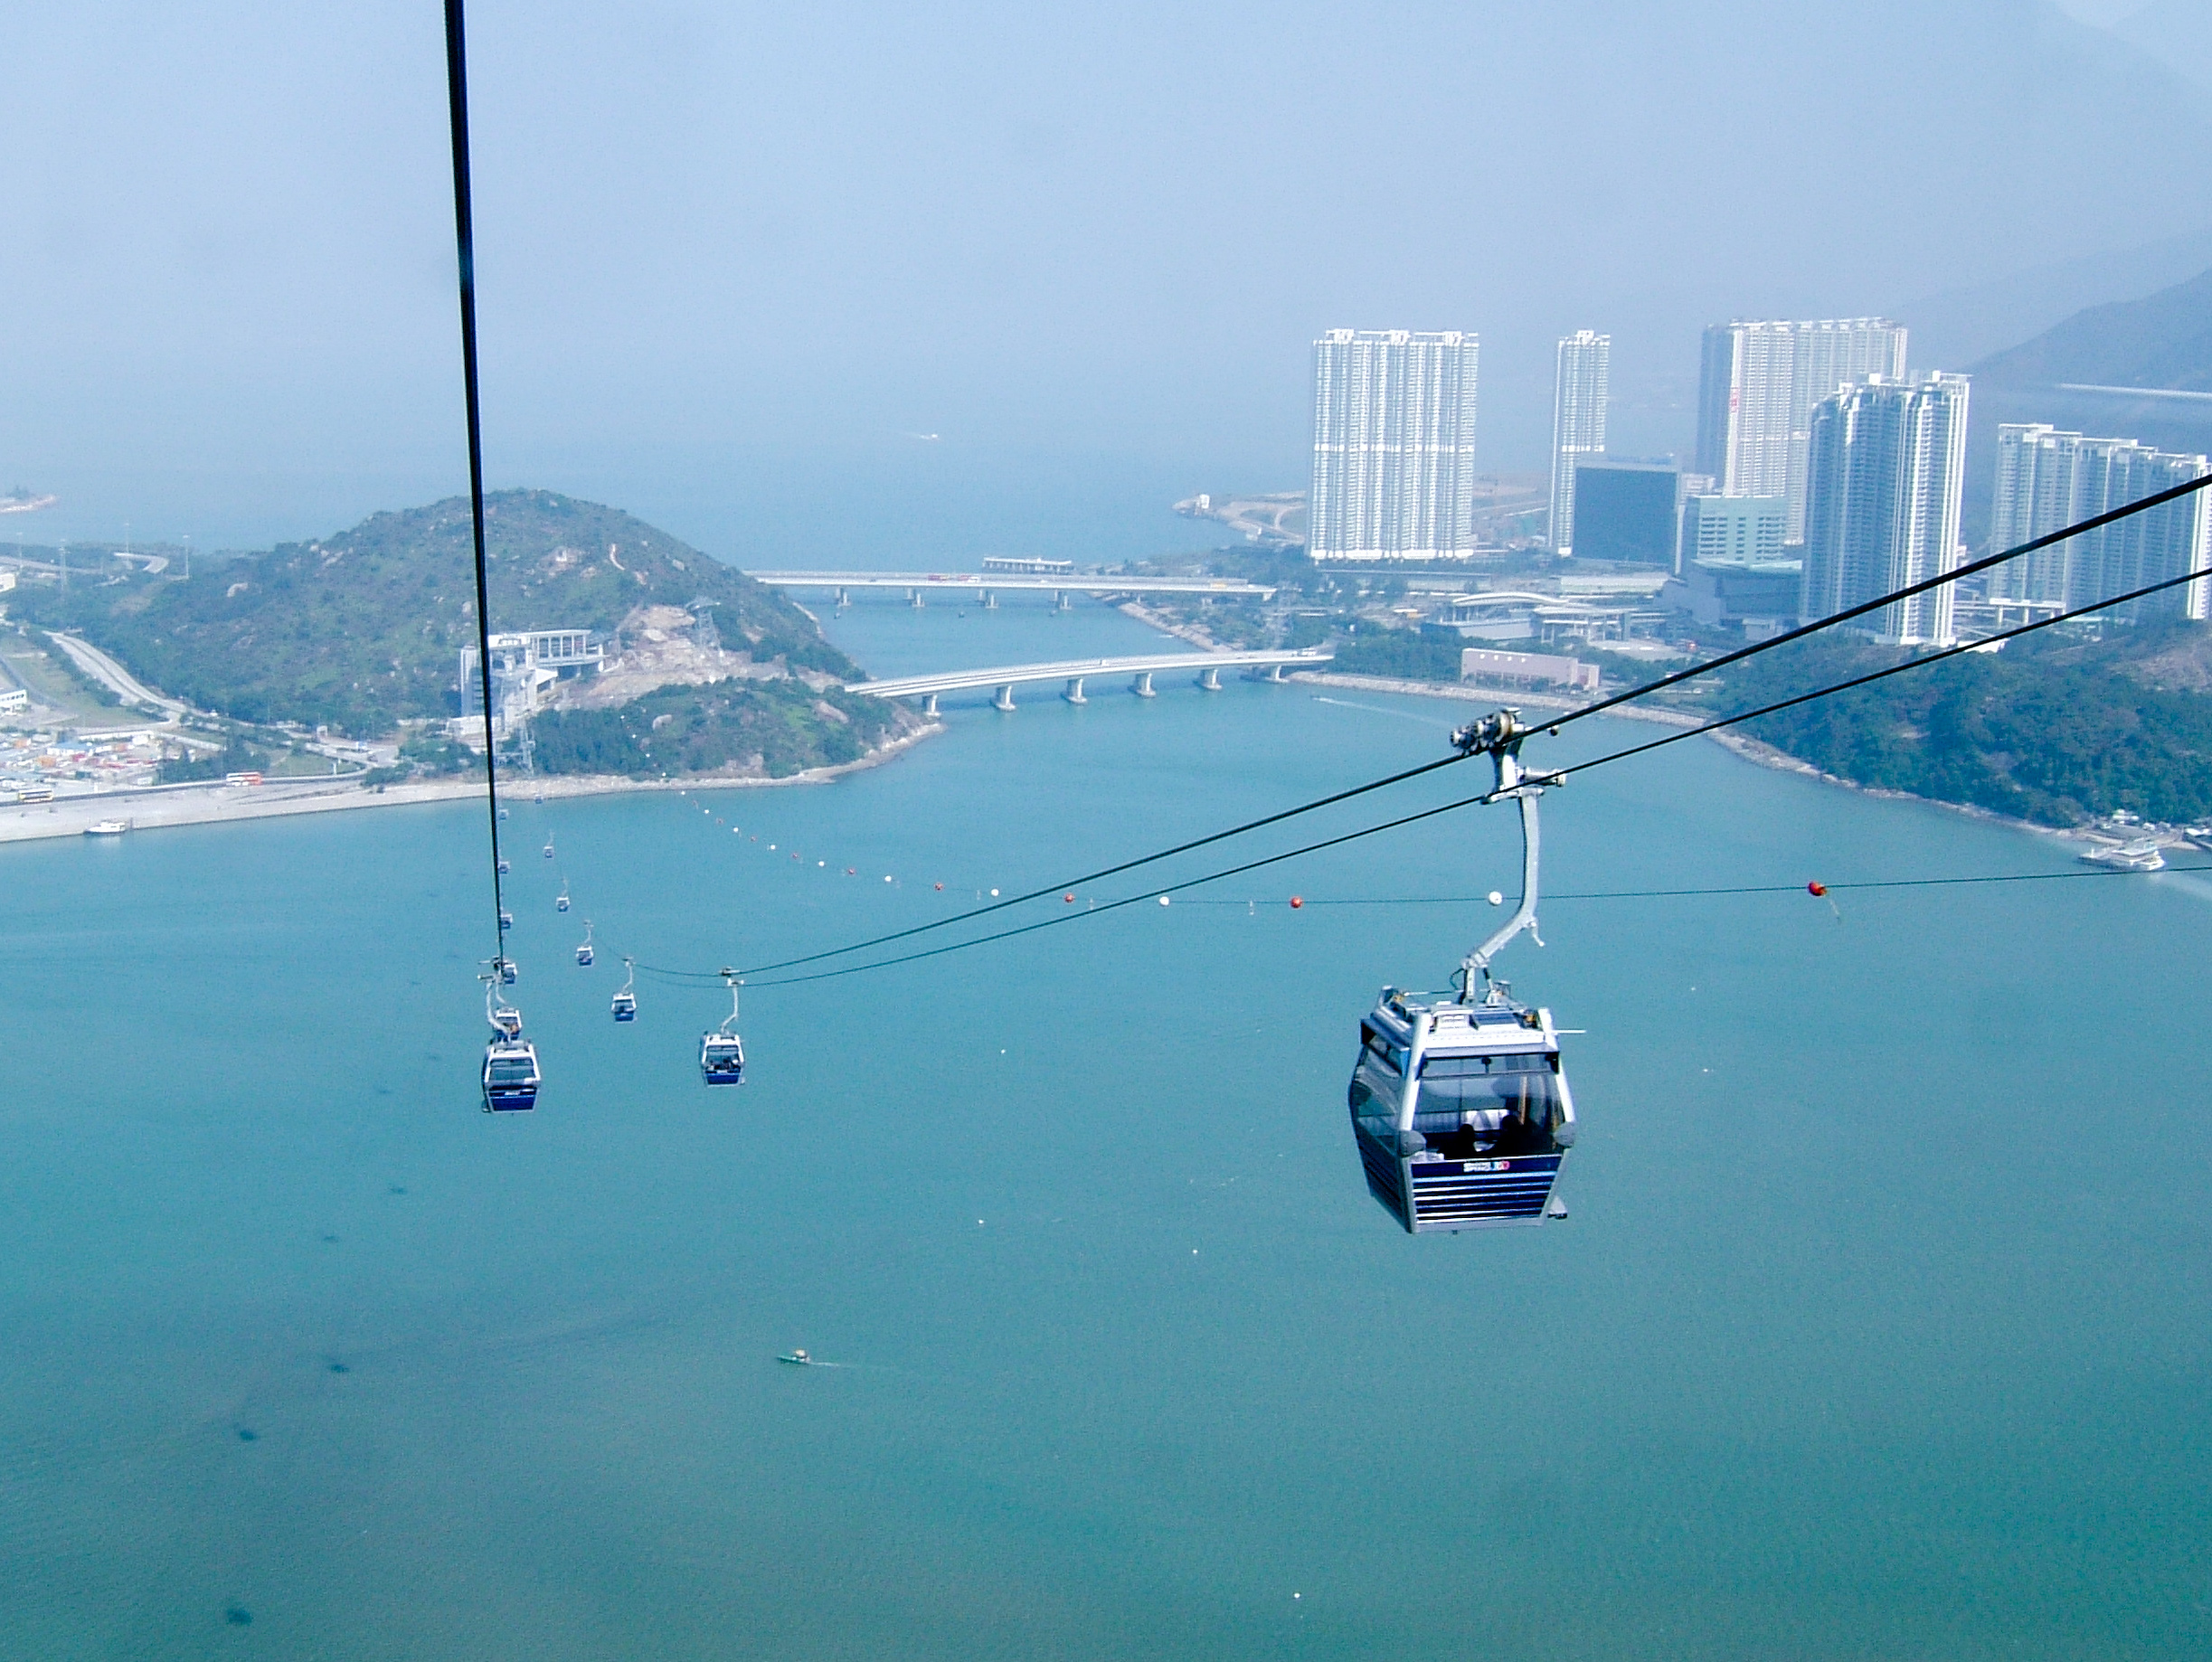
pixel 1459 1109
pixel 561 899
pixel 583 951
pixel 549 849
pixel 722 1053
pixel 509 971
pixel 511 1074
pixel 625 1000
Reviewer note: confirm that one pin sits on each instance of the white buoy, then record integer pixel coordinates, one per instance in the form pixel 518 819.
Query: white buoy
pixel 1163 900
pixel 1497 899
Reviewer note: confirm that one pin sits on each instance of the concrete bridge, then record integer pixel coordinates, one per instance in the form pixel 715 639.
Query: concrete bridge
pixel 988 585
pixel 1076 671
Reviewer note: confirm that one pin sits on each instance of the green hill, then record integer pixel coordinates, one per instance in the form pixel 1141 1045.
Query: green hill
pixel 363 630
pixel 2050 730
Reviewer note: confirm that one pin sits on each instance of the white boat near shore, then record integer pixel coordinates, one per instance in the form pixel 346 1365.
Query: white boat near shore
pixel 107 828
pixel 2138 856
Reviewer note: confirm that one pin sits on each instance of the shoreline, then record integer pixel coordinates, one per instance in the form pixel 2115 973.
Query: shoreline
pixel 1751 749
pixel 161 808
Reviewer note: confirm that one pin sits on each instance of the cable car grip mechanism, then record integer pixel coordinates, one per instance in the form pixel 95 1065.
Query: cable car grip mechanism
pixel 1500 736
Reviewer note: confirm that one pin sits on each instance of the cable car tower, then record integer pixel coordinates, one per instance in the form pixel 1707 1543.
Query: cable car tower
pixel 1459 1109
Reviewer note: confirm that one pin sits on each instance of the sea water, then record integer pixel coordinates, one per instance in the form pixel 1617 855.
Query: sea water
pixel 1878 1329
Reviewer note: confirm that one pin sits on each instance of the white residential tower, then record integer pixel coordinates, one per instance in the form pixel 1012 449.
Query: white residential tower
pixel 1393 445
pixel 1578 423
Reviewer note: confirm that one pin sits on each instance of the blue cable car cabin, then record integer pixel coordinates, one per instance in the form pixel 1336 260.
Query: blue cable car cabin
pixel 1461 1112
pixel 510 1075
pixel 722 1053
pixel 625 1005
pixel 722 1059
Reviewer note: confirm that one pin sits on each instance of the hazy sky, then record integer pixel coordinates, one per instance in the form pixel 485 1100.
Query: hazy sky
pixel 730 258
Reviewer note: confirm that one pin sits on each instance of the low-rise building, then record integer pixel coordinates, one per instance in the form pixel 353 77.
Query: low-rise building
pixel 1526 669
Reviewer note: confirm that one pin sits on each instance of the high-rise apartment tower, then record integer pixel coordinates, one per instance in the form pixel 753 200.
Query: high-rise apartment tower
pixel 1756 389
pixel 1578 423
pixel 1887 468
pixel 2047 480
pixel 1393 445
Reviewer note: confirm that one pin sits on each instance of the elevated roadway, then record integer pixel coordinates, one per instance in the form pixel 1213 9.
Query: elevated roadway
pixel 1076 671
pixel 988 583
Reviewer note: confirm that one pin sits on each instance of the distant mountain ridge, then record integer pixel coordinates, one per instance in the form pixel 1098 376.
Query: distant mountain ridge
pixel 2163 340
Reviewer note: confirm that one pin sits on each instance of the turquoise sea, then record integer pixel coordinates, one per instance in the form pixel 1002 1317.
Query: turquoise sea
pixel 1880 1328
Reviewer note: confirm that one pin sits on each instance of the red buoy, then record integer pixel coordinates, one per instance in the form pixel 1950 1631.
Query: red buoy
pixel 940 888
pixel 1816 888
pixel 1297 901
pixel 1070 899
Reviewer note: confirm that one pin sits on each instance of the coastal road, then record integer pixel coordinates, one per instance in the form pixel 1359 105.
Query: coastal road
pixel 117 679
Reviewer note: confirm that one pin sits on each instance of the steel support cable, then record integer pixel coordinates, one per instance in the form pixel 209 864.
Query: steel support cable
pixel 1308 902
pixel 1883 675
pixel 1989 562
pixel 464 238
pixel 1664 681
pixel 1535 776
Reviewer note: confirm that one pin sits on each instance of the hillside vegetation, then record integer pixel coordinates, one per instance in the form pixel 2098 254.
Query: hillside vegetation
pixel 365 629
pixel 362 631
pixel 2050 731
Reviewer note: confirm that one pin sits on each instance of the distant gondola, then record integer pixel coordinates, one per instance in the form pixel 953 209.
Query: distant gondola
pixel 625 1000
pixel 583 950
pixel 722 1053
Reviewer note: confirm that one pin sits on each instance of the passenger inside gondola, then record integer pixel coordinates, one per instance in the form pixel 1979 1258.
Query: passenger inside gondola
pixel 1484 1107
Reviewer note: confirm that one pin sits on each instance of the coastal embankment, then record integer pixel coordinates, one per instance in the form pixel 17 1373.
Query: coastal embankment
pixel 216 804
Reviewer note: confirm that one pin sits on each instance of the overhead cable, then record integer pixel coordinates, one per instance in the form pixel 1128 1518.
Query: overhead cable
pixel 1408 819
pixel 2096 522
pixel 1304 901
pixel 1675 679
pixel 464 237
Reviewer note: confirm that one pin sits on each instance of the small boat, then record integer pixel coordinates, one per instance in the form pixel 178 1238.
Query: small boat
pixel 2138 856
pixel 798 1358
pixel 107 828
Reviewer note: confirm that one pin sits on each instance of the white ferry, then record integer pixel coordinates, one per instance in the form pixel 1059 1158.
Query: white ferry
pixel 107 828
pixel 2138 856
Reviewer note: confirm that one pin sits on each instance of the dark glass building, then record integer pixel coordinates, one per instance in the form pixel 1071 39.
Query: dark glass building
pixel 1625 511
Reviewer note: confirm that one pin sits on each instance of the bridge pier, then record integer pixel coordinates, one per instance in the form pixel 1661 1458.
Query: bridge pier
pixel 844 599
pixel 1005 701
pixel 1274 673
pixel 990 601
pixel 1075 694
pixel 929 705
pixel 1142 685
pixel 1062 603
pixel 1209 681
